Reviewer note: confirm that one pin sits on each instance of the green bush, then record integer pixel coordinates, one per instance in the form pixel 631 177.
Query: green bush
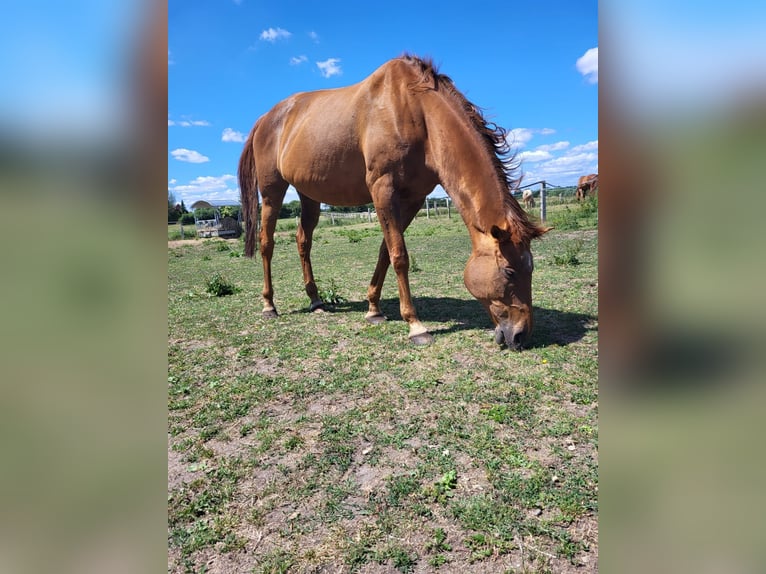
pixel 219 286
pixel 187 219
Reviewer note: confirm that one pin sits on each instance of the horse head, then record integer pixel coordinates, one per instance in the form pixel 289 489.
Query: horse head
pixel 499 275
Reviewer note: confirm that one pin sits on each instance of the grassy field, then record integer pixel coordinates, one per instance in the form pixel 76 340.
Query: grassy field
pixel 318 443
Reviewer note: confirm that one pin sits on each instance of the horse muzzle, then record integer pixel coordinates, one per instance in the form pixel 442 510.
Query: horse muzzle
pixel 514 338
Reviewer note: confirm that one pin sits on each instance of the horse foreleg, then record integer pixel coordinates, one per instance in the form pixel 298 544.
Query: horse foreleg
pixel 269 215
pixel 304 240
pixel 393 224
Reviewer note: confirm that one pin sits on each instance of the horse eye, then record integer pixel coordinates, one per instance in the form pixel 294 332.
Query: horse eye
pixel 508 272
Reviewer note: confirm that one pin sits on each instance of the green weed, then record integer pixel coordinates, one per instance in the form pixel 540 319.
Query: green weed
pixel 569 257
pixel 330 293
pixel 219 286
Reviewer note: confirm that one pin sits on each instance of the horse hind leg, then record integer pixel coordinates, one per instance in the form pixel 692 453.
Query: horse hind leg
pixel 304 240
pixel 273 196
pixel 374 291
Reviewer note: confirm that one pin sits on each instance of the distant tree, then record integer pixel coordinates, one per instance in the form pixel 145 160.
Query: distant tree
pixel 174 213
pixel 171 199
pixel 229 211
pixel 183 207
pixel 352 209
pixel 290 209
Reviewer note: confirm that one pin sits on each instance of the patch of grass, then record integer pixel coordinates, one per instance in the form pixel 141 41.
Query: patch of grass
pixel 569 257
pixel 219 286
pixel 484 513
pixel 482 546
pixel 399 488
pixel 400 558
pixel 275 562
pixel 581 216
pixel 356 235
pixel 359 552
pixel 438 543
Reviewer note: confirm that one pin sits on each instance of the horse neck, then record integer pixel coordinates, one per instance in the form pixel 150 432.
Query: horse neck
pixel 467 171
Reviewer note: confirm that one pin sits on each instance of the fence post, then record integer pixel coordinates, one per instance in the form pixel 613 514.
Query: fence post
pixel 428 213
pixel 181 224
pixel 543 203
pixel 369 215
pixel 332 217
pixel 449 211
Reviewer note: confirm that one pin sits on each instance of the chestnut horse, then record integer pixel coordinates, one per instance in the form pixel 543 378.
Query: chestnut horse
pixel 389 140
pixel 585 184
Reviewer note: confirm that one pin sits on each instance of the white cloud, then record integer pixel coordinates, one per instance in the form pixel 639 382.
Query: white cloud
pixel 534 156
pixel 294 61
pixel 314 36
pixel 230 135
pixel 188 123
pixel 272 35
pixel 330 67
pixel 558 146
pixel 590 146
pixel 207 188
pixel 519 137
pixel 563 168
pixel 587 65
pixel 188 155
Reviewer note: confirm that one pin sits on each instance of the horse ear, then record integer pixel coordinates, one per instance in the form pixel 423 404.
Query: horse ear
pixel 500 234
pixel 542 231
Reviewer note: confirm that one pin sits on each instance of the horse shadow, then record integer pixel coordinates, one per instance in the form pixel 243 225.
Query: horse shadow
pixel 551 326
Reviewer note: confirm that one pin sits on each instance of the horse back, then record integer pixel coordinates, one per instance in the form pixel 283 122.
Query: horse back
pixel 331 143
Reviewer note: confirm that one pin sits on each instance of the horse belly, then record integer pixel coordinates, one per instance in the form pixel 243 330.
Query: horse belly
pixel 327 173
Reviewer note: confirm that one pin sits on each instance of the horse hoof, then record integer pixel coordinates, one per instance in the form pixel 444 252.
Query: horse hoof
pixel 317 307
pixel 375 319
pixel 422 339
pixel 270 314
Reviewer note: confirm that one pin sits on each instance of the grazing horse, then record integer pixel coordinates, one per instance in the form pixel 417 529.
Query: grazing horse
pixel 529 199
pixel 585 184
pixel 389 140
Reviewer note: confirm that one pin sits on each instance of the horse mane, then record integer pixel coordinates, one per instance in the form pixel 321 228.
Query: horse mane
pixel 494 138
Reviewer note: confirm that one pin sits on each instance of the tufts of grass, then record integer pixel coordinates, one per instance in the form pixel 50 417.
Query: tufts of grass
pixel 219 286
pixel 277 562
pixel 571 251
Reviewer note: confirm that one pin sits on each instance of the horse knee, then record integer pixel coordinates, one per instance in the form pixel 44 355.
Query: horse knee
pixel 400 262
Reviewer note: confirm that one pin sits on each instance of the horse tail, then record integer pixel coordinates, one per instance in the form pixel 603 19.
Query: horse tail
pixel 248 192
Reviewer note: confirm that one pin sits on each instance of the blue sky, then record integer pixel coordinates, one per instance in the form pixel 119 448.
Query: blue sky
pixel 532 66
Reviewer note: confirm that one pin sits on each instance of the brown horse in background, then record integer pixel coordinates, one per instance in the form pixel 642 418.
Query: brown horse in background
pixel 390 139
pixel 585 184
